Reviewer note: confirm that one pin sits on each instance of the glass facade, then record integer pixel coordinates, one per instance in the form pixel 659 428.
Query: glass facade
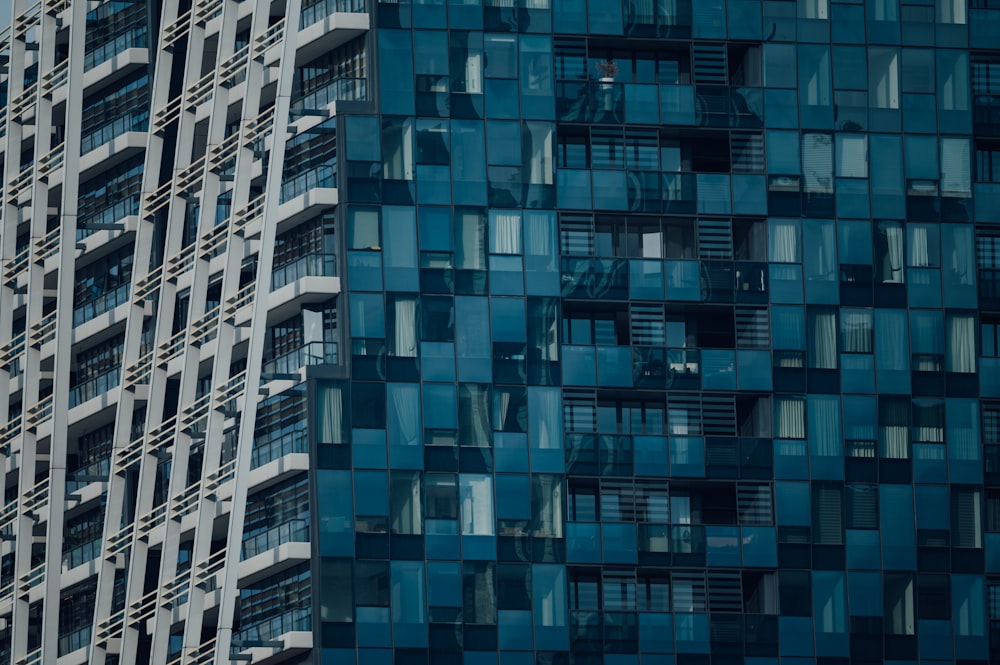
pixel 670 337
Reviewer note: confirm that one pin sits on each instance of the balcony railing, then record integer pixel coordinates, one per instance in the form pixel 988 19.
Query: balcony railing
pixel 294 531
pixel 130 122
pixel 324 175
pixel 310 265
pixel 299 619
pixel 92 388
pixel 74 640
pixel 337 90
pixel 133 38
pixel 81 554
pixel 311 353
pixel 296 441
pixel 99 469
pixel 102 303
pixel 113 213
pixel 315 12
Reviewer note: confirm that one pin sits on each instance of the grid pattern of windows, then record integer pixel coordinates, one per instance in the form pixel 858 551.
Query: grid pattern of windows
pixel 673 336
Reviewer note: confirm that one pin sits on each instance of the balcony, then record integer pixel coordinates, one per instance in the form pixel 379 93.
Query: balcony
pixel 96 137
pixel 336 90
pixel 317 11
pixel 102 303
pixel 81 554
pixel 310 265
pixel 294 531
pixel 276 447
pixel 94 387
pixel 295 620
pixel 322 176
pixel 311 353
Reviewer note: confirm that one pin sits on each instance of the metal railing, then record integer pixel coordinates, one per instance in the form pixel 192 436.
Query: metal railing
pixel 315 12
pixel 109 131
pixel 267 451
pixel 337 90
pixel 102 303
pixel 293 531
pixel 311 353
pixel 310 265
pixel 90 389
pixel 324 175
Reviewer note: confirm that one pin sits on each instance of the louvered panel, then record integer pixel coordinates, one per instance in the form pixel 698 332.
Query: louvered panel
pixel 683 415
pixel 725 592
pixel 715 239
pixel 827 516
pixel 619 590
pixel 648 326
pixel 753 327
pixel 689 592
pixel 579 411
pixel 719 415
pixel 571 58
pixel 652 502
pixel 722 453
pixel 710 63
pixel 617 501
pixel 576 235
pixel 747 153
pixel 753 501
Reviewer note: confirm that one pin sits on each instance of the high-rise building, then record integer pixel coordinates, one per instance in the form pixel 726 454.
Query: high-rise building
pixel 500 332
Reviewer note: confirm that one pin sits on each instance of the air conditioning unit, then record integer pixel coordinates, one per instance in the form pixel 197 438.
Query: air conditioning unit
pixel 922 187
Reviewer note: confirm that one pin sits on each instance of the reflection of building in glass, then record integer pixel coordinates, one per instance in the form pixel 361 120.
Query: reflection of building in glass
pixel 552 332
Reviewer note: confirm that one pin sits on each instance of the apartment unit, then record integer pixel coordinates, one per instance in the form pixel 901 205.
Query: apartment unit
pixel 608 332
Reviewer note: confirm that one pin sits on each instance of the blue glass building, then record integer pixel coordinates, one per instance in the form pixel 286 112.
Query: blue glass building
pixel 673 337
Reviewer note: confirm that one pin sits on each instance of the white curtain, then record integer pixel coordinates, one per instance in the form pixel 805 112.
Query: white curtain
pixel 927 340
pixel 816 9
pixel 783 241
pixel 405 509
pixel 823 340
pixel 886 10
pixel 963 429
pixel 476 497
pixel 547 505
pixel 469 244
pixel 824 426
pixel 540 235
pixel 959 254
pixel 505 232
pixel 919 254
pixel 821 260
pixel 404 418
pixel 540 165
pixel 789 418
pixel 893 431
pixel 544 405
pixel 857 330
pixel 951 11
pixel 890 339
pixel 405 328
pixel 892 261
pixel 960 354
pixel 928 420
pixel 331 420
